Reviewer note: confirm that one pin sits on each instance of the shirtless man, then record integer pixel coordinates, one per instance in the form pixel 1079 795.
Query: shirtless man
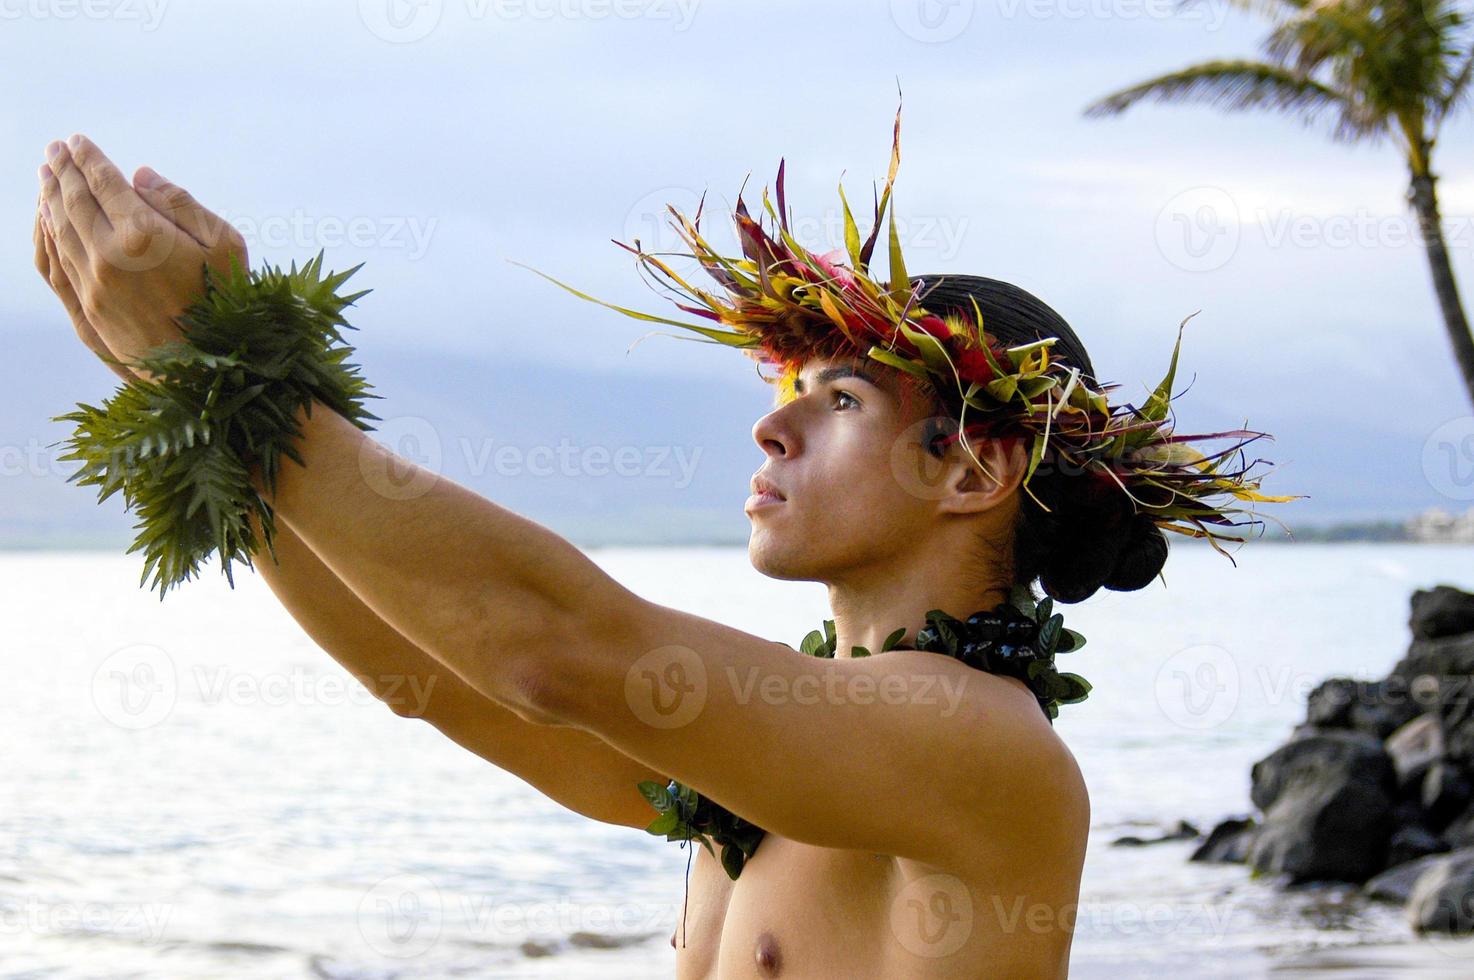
pixel 910 833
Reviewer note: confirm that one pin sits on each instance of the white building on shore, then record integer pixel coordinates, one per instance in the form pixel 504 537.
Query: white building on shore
pixel 1437 524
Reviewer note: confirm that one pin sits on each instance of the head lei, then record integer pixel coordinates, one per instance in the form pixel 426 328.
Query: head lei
pixel 783 305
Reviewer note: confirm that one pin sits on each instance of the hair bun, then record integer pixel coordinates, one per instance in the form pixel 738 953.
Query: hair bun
pixel 1141 557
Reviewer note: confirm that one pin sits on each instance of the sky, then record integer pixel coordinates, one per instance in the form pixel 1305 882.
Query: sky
pixel 438 142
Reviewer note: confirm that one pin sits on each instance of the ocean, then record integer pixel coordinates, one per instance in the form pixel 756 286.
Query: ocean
pixel 194 789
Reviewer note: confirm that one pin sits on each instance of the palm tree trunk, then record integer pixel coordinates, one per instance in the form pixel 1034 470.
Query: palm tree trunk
pixel 1425 203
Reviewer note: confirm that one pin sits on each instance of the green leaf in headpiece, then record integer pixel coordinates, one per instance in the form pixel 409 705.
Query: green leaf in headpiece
pixel 900 283
pixel 897 361
pixel 851 233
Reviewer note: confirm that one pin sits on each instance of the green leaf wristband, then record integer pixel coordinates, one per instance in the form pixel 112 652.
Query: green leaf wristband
pixel 258 348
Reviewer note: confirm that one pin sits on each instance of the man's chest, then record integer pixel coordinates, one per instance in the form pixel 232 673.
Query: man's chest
pixel 795 911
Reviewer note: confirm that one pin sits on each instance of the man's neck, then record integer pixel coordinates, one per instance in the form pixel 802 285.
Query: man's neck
pixel 865 616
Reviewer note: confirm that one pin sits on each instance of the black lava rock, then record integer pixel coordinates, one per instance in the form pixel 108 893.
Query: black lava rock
pixel 1328 808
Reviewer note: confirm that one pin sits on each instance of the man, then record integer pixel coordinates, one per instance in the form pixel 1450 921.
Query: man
pixel 923 818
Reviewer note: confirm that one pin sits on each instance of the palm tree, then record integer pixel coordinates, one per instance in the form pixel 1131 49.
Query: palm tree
pixel 1394 68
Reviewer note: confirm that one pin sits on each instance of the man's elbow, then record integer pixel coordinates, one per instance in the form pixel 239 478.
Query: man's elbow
pixel 532 693
pixel 562 675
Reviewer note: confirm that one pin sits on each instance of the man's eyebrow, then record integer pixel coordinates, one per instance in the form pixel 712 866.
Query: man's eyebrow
pixel 836 372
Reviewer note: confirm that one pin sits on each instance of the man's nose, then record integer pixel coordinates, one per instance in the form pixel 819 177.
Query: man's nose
pixel 770 435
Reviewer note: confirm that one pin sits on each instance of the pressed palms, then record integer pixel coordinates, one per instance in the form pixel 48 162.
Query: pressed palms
pixel 1380 68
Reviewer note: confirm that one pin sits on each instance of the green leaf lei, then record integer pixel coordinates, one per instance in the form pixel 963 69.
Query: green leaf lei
pixel 257 348
pixel 1017 638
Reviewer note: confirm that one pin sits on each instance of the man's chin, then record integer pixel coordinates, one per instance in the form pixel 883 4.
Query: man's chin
pixel 769 556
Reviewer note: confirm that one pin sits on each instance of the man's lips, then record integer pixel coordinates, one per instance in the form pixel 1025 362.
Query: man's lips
pixel 763 495
pixel 761 501
pixel 762 486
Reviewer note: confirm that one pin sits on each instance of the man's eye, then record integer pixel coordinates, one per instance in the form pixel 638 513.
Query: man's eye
pixel 846 394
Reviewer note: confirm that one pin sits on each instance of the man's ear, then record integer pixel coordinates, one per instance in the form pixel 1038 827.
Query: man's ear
pixel 982 484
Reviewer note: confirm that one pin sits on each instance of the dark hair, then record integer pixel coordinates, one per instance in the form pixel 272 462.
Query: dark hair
pixel 1092 536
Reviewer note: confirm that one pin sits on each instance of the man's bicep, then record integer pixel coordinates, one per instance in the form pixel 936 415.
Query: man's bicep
pixel 904 752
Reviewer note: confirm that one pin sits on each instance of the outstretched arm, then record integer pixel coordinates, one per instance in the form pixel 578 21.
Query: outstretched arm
pixel 574 767
pixel 907 753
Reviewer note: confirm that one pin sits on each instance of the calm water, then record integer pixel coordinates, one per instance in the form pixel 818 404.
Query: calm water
pixel 193 789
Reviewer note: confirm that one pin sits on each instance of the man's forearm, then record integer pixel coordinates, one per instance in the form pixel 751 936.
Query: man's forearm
pixel 484 591
pixel 395 671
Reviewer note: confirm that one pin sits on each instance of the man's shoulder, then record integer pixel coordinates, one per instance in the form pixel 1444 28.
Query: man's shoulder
pixel 998 719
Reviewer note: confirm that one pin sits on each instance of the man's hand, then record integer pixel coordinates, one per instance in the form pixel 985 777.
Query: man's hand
pixel 131 254
pixel 48 263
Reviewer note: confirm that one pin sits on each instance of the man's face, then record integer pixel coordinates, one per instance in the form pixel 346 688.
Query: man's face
pixel 845 455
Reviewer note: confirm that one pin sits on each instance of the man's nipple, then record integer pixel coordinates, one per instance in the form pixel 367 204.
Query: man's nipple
pixel 769 957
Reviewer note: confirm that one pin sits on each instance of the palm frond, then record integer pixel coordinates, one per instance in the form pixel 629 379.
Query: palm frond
pixel 1234 85
pixel 1456 94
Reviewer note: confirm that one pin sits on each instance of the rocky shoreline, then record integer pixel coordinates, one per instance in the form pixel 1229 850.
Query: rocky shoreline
pixel 1376 787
